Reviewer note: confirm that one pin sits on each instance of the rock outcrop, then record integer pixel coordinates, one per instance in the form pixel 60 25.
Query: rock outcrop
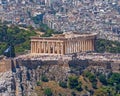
pixel 21 76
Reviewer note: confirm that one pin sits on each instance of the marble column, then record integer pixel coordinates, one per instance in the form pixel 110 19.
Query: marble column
pixel 69 46
pixel 48 47
pixel 53 45
pixel 82 45
pixel 35 46
pixel 57 47
pixel 40 46
pixel 31 46
pixel 87 45
pixel 77 46
pixel 62 49
pixel 65 47
pixel 90 45
pixel 43 46
pixel 72 46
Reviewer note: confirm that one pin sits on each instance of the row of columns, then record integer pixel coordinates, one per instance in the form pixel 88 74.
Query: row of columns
pixel 74 46
pixel 62 47
pixel 47 47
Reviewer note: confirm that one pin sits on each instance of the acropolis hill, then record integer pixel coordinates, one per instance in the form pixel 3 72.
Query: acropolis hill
pixel 26 70
pixel 49 57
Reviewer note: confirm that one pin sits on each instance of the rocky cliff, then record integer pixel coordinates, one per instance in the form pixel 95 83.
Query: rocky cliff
pixel 21 75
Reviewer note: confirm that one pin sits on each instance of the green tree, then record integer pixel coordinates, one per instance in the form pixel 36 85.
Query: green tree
pixel 102 79
pixel 101 92
pixel 63 84
pixel 79 86
pixel 103 45
pixel 114 79
pixel 94 85
pixel 44 78
pixel 105 91
pixel 90 76
pixel 20 38
pixel 73 93
pixel 73 82
pixel 48 92
pixel 39 83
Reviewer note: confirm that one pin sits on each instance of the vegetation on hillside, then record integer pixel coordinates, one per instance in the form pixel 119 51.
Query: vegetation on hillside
pixel 20 39
pixel 15 36
pixel 47 31
pixel 107 46
pixel 82 85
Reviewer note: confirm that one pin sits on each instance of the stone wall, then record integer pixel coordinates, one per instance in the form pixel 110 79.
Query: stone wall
pixel 5 65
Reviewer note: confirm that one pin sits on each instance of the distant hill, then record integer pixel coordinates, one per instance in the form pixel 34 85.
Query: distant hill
pixel 103 45
pixel 20 38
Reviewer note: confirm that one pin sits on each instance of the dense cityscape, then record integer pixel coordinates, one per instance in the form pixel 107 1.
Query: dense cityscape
pixel 101 16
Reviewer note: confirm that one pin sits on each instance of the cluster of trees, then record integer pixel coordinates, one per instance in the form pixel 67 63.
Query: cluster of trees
pixel 43 79
pixel 92 78
pixel 38 19
pixel 42 27
pixel 72 83
pixel 47 31
pixel 111 83
pixel 107 46
pixel 15 36
pixel 48 92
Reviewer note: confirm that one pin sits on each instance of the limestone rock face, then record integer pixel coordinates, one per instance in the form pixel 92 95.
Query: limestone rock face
pixel 7 84
pixel 21 79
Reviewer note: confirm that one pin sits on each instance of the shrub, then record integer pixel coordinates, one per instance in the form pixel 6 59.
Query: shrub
pixel 73 94
pixel 48 92
pixel 44 78
pixel 86 88
pixel 94 85
pixel 38 83
pixel 114 79
pixel 72 82
pixel 92 78
pixel 79 87
pixel 102 79
pixel 63 84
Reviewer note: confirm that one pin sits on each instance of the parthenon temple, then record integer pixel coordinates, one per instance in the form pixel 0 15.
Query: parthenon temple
pixel 66 43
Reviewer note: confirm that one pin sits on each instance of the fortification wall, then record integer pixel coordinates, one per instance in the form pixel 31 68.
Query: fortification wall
pixel 5 65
